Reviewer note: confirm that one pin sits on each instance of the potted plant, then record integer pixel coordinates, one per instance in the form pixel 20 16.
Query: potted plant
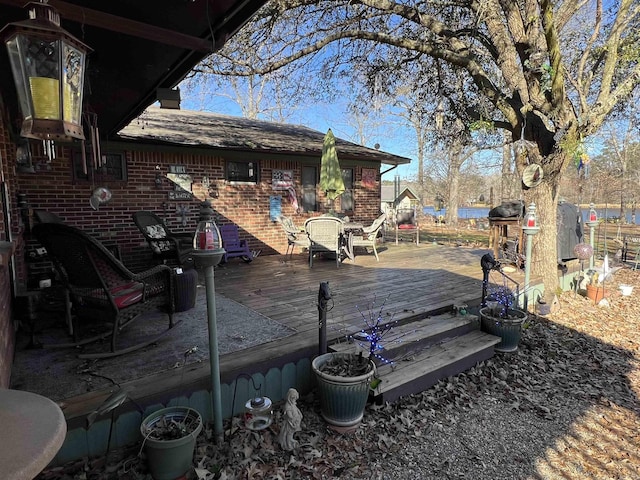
pixel 345 378
pixel 595 287
pixel 500 318
pixel 169 437
pixel 169 441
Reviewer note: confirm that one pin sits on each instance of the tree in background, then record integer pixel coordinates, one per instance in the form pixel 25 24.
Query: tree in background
pixel 548 73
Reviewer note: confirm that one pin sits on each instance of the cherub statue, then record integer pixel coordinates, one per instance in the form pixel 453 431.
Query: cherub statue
pixel 291 421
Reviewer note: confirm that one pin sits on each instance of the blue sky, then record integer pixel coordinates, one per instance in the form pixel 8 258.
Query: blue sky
pixel 391 136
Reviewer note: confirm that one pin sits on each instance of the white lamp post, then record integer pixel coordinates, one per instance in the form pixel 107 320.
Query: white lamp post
pixel 592 223
pixel 530 228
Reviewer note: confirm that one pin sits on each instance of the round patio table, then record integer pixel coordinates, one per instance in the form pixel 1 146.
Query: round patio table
pixel 33 430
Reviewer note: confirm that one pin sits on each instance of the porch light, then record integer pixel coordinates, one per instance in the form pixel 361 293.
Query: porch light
pixel 48 66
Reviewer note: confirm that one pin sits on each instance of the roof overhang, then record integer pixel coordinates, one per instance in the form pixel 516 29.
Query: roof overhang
pixel 139 46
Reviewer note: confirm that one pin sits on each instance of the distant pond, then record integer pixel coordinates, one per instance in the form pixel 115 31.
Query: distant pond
pixel 482 212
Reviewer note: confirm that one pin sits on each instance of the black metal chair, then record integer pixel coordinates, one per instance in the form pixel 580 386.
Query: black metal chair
pixel 102 289
pixel 164 244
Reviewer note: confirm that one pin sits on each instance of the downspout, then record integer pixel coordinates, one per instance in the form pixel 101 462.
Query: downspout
pixel 387 171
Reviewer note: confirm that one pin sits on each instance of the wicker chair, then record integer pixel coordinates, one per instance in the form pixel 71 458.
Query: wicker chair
pixel 102 289
pixel 164 244
pixel 295 237
pixel 370 235
pixel 326 234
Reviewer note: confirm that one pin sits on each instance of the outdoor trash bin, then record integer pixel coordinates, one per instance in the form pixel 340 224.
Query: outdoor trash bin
pixel 185 289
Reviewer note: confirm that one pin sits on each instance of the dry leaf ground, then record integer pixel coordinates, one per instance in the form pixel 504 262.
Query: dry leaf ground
pixel 566 405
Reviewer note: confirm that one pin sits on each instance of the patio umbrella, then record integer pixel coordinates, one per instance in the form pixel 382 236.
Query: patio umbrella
pixel 331 181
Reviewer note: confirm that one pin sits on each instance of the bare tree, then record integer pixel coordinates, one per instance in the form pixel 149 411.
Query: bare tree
pixel 549 73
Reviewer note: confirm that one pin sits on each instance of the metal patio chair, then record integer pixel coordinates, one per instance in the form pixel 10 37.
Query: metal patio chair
pixel 370 235
pixel 165 244
pixel 326 234
pixel 407 224
pixel 295 236
pixel 102 290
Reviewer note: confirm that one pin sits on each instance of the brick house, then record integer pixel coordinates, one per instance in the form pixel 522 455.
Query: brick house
pixel 138 49
pixel 176 161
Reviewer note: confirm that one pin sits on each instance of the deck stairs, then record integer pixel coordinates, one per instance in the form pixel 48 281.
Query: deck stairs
pixel 424 350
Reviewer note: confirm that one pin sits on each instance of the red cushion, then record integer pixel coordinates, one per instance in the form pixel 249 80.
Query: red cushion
pixel 406 226
pixel 127 294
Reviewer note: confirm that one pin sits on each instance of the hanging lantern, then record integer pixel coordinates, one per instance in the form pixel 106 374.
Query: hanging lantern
pixel 48 66
pixel 593 216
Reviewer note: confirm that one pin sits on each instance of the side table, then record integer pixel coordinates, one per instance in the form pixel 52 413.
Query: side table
pixel 33 430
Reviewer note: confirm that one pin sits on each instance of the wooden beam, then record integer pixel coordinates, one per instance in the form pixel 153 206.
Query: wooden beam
pixel 95 18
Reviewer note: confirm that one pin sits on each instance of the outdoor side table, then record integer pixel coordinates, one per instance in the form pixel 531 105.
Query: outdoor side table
pixel 185 286
pixel 34 429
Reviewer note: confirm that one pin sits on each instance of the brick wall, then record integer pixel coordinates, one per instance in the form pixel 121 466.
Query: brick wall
pixel 246 205
pixel 7 337
pixel 53 189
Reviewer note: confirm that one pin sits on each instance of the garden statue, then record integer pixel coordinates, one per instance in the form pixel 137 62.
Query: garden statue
pixel 291 421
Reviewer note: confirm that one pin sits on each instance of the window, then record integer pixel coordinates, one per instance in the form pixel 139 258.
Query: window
pixel 309 181
pixel 346 199
pixel 242 172
pixel 113 168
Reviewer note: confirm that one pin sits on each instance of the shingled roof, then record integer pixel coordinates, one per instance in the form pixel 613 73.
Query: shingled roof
pixel 208 130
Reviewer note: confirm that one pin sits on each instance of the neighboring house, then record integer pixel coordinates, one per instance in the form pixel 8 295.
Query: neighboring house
pixel 405 198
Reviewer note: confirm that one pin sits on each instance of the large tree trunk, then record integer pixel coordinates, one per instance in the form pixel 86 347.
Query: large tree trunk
pixel 544 252
pixel 453 196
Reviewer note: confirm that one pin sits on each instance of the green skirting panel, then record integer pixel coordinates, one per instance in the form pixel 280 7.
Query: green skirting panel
pixel 81 442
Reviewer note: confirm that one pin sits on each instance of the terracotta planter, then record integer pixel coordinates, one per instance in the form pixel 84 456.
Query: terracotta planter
pixel 596 293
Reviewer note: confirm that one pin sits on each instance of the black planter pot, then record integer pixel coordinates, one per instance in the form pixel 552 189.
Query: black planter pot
pixel 509 329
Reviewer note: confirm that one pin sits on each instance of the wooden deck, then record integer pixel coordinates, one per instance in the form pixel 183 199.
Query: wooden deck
pixel 411 279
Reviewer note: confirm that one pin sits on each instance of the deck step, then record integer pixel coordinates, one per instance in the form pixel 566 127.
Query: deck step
pixel 407 339
pixel 417 373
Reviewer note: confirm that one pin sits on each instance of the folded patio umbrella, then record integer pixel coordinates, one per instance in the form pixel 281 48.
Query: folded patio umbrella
pixel 331 181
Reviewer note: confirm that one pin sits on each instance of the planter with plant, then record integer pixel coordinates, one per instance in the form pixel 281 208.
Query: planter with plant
pixel 344 379
pixel 169 439
pixel 500 318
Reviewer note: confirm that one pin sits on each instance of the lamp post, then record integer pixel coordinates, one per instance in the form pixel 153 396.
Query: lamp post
pixel 592 223
pixel 207 253
pixel 530 228
pixel 48 66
